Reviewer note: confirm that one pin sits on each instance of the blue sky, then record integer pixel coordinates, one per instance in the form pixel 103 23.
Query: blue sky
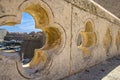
pixel 27 25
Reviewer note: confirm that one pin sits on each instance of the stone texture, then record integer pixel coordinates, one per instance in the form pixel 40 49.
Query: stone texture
pixel 76 36
pixel 8 68
pixel 94 8
pixel 107 70
pixel 110 5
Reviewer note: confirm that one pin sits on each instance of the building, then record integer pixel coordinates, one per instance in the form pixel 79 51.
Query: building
pixel 3 33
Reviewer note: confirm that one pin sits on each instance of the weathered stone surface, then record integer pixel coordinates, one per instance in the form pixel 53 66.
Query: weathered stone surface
pixel 107 70
pixel 8 68
pixel 94 8
pixel 77 36
pixel 110 5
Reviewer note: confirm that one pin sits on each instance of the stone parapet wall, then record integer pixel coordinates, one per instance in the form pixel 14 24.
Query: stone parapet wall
pixel 79 34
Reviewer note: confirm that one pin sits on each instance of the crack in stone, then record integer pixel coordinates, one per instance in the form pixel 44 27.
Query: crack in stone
pixel 7 16
pixel 70 63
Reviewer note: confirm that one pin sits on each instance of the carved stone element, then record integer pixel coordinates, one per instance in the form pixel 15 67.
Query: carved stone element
pixel 118 40
pixel 40 15
pixel 63 22
pixel 39 58
pixel 88 39
pixel 107 40
pixel 52 41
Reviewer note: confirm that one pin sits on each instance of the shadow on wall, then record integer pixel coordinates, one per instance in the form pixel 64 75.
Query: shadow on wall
pixel 99 72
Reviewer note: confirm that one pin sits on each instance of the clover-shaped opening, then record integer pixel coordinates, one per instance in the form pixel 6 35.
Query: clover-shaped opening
pixel 51 38
pixel 107 41
pixel 87 37
pixel 22 38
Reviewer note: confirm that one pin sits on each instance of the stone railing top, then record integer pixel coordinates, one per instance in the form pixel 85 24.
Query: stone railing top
pixel 95 9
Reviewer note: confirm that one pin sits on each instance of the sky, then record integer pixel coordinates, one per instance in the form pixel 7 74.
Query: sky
pixel 27 25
